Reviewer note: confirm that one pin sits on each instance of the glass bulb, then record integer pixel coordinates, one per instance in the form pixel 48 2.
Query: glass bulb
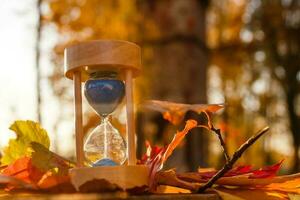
pixel 105 142
pixel 104 145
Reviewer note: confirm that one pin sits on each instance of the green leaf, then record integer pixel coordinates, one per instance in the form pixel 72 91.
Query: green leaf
pixel 45 160
pixel 26 132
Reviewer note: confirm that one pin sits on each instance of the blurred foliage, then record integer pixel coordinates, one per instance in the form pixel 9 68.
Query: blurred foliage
pixel 255 67
pixel 254 53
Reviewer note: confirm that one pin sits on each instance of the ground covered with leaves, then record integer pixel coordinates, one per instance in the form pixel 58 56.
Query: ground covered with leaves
pixel 27 165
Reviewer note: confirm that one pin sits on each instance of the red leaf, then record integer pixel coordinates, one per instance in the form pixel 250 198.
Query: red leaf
pixel 24 170
pixel 266 172
pixel 151 153
pixel 240 170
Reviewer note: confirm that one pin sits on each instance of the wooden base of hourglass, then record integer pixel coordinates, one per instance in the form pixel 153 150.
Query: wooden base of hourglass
pixel 124 177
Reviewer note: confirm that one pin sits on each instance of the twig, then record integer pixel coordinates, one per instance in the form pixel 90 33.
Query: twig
pixel 222 142
pixel 232 161
pixel 218 133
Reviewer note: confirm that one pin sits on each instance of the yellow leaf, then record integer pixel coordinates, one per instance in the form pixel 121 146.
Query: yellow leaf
pixel 45 160
pixel 26 132
pixel 248 194
pixel 294 197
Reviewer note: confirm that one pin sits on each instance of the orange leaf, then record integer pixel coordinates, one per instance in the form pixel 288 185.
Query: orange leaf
pixel 23 170
pixel 174 112
pixel 190 124
pixel 291 186
pixel 13 182
pixel 156 161
pixel 248 194
pixel 50 179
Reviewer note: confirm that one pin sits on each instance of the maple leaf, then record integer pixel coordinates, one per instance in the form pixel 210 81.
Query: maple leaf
pixel 26 132
pixel 174 112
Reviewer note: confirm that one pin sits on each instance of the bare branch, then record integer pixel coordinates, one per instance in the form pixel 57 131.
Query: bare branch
pixel 222 142
pixel 234 158
pixel 218 133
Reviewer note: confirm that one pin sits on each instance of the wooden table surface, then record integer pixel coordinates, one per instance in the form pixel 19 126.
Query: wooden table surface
pixel 110 196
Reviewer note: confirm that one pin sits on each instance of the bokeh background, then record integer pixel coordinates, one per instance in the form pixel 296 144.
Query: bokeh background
pixel 245 54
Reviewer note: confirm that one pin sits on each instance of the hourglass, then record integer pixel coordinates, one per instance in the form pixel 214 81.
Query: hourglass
pixel 107 67
pixel 104 145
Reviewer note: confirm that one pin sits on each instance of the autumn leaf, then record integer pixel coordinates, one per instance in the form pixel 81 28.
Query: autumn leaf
pixel 26 132
pixel 151 153
pixel 177 139
pixel 290 186
pixel 14 182
pixel 46 160
pixel 240 172
pixel 266 172
pixel 175 112
pixel 38 166
pixel 24 170
pixel 157 160
pixel 248 194
pixel 51 180
pixel 170 178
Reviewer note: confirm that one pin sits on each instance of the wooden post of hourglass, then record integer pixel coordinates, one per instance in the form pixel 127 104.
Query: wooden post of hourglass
pixel 131 150
pixel 78 119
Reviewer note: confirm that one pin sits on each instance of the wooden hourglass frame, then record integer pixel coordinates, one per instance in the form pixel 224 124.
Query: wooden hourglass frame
pixel 125 58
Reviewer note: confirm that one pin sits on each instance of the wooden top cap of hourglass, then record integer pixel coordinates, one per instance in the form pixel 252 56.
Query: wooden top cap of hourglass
pixel 96 55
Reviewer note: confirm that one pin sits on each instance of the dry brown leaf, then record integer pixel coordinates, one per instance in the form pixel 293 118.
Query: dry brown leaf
pixel 175 112
pixel 169 178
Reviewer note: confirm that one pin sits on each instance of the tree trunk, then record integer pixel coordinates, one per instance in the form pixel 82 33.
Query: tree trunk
pixel 177 70
pixel 37 60
pixel 291 95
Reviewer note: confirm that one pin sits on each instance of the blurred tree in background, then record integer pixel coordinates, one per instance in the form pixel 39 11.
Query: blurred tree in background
pixel 252 48
pixel 255 55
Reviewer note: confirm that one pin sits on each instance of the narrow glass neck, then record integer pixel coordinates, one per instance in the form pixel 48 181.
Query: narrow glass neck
pixel 105 119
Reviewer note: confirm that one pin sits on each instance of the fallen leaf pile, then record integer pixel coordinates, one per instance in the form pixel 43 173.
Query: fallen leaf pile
pixel 28 163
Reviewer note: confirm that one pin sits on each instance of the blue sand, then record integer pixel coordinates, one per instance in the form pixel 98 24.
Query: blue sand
pixel 104 95
pixel 104 162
